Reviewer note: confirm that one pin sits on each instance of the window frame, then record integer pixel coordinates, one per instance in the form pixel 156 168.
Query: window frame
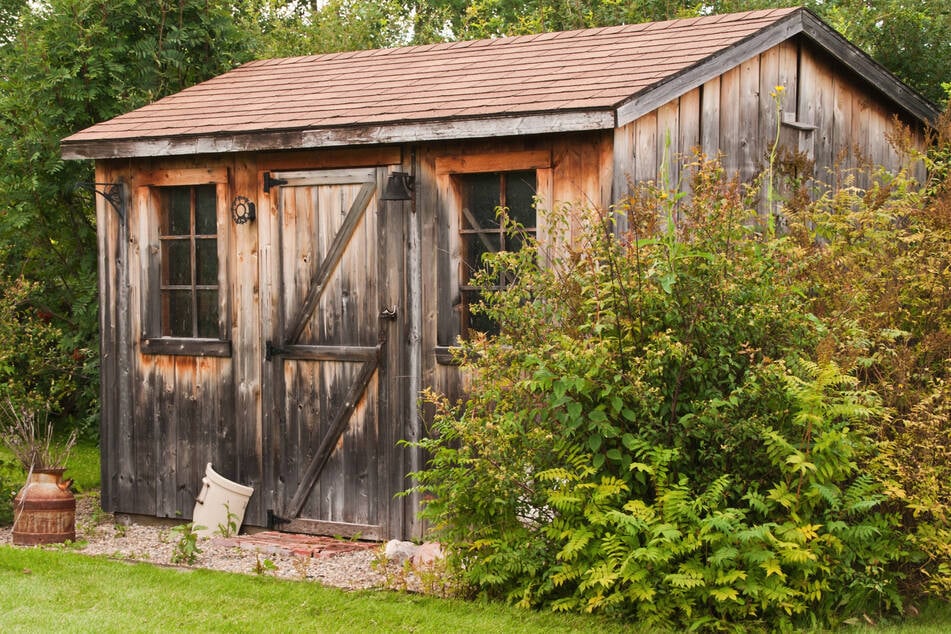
pixel 467 291
pixel 149 203
pixel 450 202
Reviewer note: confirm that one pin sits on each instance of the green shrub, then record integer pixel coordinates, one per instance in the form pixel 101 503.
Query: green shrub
pixel 648 437
pixel 11 479
pixel 877 264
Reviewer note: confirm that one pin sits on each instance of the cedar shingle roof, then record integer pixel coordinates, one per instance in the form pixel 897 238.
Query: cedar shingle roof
pixel 574 80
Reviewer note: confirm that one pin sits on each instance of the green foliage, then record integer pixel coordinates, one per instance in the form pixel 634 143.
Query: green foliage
pixel 282 29
pixel 911 39
pixel 679 425
pixel 263 566
pixel 186 547
pixel 66 65
pixel 877 263
pixel 36 372
pixel 11 479
pixel 230 527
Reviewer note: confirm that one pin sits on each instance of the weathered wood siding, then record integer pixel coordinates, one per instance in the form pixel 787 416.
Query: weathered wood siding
pixel 164 414
pixel 826 114
pixel 168 409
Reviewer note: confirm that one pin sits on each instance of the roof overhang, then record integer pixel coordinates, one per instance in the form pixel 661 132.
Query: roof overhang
pixel 401 132
pixel 644 101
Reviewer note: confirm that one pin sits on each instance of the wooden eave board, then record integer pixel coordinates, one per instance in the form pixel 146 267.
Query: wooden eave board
pixel 554 82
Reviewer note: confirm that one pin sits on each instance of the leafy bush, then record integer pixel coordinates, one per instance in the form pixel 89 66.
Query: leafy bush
pixel 877 264
pixel 36 373
pixel 673 426
pixel 11 479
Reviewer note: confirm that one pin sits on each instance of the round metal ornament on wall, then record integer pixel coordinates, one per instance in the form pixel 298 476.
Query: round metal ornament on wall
pixel 242 210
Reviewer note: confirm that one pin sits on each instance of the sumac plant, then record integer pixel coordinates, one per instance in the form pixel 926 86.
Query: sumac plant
pixel 651 436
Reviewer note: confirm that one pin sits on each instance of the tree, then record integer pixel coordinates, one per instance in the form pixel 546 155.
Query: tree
pixel 910 38
pixel 288 29
pixel 69 64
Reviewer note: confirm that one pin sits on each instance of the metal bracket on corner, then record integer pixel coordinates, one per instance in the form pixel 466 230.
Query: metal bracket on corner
pixel 113 193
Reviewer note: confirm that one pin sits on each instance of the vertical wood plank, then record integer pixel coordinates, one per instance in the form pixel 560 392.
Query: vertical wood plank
pixel 623 169
pixel 752 137
pixel 690 142
pixel 115 385
pixel 403 516
pixel 788 78
pixel 879 149
pixel 817 106
pixel 710 115
pixel 645 152
pixel 165 425
pixel 842 155
pixel 668 152
pixel 729 113
pixel 141 456
pixel 860 136
pixel 769 120
pixel 247 353
pixel 272 378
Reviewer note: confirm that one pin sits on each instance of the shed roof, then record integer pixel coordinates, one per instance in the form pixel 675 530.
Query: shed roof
pixel 569 81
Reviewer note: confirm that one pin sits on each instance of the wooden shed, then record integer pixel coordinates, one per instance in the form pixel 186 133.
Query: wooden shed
pixel 266 309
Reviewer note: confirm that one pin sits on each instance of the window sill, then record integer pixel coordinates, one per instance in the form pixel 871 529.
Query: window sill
pixel 449 355
pixel 445 355
pixel 181 346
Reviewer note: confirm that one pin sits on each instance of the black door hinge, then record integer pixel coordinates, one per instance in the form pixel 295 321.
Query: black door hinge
pixel 271 351
pixel 270 181
pixel 273 519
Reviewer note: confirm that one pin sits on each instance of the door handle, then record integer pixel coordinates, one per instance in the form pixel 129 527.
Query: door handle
pixel 388 314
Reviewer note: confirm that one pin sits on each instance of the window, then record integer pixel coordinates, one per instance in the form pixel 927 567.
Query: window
pixel 489 202
pixel 188 285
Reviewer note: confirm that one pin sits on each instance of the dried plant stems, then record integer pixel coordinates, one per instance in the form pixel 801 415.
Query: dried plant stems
pixel 31 441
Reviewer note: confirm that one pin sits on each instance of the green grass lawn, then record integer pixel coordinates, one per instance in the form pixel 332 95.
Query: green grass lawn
pixel 61 591
pixel 83 466
pixel 58 591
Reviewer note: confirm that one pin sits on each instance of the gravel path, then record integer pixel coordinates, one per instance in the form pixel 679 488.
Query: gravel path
pixel 97 533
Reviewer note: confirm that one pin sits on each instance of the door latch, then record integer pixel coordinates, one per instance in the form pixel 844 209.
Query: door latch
pixel 388 314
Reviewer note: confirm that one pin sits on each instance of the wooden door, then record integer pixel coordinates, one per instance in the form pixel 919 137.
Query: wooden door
pixel 327 356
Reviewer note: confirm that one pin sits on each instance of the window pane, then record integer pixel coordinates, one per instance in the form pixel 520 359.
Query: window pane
pixel 481 196
pixel 476 321
pixel 475 246
pixel 177 313
pixel 189 262
pixel 205 212
pixel 176 262
pixel 178 211
pixel 208 314
pixel 515 241
pixel 206 261
pixel 520 191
